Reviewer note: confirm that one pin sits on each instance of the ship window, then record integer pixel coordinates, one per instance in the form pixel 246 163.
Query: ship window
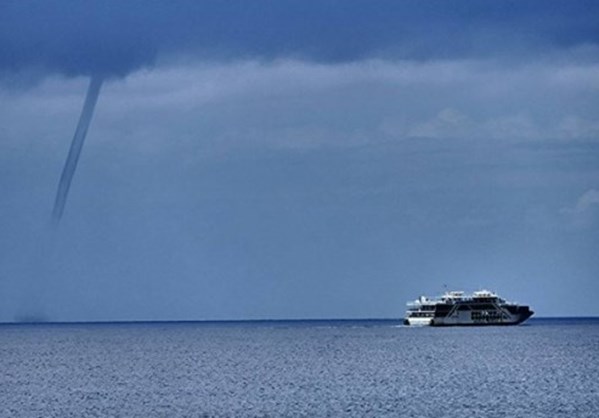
pixel 483 306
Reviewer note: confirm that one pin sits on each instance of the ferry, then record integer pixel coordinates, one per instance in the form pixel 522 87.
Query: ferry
pixel 454 308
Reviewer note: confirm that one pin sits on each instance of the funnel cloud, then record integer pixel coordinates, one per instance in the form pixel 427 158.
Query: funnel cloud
pixel 93 91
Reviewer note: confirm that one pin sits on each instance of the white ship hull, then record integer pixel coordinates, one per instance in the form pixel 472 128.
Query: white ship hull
pixel 419 322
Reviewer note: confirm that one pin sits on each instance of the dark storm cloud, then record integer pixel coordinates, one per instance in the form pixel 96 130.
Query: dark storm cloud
pixel 113 38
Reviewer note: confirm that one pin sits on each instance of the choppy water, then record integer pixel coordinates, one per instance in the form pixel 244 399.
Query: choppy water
pixel 547 368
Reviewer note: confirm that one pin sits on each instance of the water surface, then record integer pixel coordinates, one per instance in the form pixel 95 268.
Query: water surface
pixel 545 368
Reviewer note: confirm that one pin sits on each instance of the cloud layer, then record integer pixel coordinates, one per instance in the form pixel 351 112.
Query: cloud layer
pixel 293 104
pixel 114 38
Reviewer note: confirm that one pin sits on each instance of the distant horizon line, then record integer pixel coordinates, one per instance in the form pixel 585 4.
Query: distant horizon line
pixel 240 321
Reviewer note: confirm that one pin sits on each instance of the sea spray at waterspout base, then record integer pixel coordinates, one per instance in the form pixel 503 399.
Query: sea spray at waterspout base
pixel 93 91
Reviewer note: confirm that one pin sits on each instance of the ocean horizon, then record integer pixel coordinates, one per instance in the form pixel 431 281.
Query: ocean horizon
pixel 339 321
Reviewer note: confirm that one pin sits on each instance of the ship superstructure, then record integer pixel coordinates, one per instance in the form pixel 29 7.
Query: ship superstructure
pixel 457 308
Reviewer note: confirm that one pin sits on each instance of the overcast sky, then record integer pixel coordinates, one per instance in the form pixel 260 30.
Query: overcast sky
pixel 298 159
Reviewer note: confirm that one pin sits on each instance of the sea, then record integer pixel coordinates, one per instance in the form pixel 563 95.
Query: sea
pixel 364 368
